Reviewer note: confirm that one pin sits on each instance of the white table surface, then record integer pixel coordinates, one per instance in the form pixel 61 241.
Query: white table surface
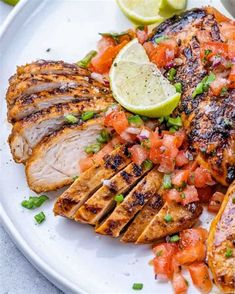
pixel 17 275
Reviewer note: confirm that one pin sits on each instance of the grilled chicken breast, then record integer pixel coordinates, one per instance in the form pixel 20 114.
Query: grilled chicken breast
pixel 102 201
pixel 133 202
pixel 28 132
pixel 69 92
pixel 221 244
pixel 54 161
pixel 209 121
pixel 90 181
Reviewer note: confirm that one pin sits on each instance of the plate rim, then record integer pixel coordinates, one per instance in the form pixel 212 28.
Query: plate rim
pixel 47 271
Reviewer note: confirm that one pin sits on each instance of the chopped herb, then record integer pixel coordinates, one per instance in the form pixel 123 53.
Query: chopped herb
pixel 114 36
pixel 71 119
pixel 104 136
pixel 75 178
pixel 207 52
pixel 137 286
pixel 145 143
pixel 182 195
pixel 203 85
pixel 34 202
pixel 168 218
pixel 87 59
pixel 174 238
pixel 148 164
pixel 159 253
pixel 174 122
pixel 119 198
pixel 40 217
pixel 93 148
pixel 233 200
pixel 167 181
pixel 160 39
pixel 87 115
pixel 161 119
pixel 171 74
pixel 224 91
pixel 178 87
pixel 229 252
pixel 173 129
pixel 135 120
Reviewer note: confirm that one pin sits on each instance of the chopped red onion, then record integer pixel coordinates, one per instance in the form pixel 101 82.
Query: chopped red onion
pixel 107 183
pixel 100 78
pixel 132 130
pixel 144 134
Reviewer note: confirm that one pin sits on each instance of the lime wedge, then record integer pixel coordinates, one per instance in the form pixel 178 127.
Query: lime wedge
pixel 139 86
pixel 11 2
pixel 173 5
pixel 141 11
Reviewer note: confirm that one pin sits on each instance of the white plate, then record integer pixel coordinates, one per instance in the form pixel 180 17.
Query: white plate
pixel 69 254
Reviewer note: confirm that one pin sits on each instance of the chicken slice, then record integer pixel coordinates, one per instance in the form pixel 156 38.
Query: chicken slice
pixel 102 201
pixel 54 161
pixel 142 219
pixel 184 217
pixel 133 202
pixel 89 181
pixel 221 244
pixel 29 131
pixel 35 84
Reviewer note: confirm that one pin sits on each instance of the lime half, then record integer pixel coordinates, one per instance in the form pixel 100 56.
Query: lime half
pixel 139 86
pixel 141 11
pixel 173 5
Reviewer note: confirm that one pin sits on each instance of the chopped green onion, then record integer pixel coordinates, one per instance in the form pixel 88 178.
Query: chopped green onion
pixel 119 198
pixel 167 181
pixel 87 59
pixel 40 217
pixel 104 136
pixel 174 238
pixel 148 164
pixel 145 143
pixel 198 90
pixel 233 200
pixel 207 52
pixel 229 252
pixel 182 195
pixel 178 87
pixel 174 122
pixel 168 218
pixel 75 178
pixel 224 91
pixel 160 39
pixel 173 129
pixel 203 85
pixel 93 148
pixel 137 286
pixel 159 253
pixel 34 202
pixel 71 119
pixel 114 36
pixel 135 120
pixel 171 74
pixel 87 115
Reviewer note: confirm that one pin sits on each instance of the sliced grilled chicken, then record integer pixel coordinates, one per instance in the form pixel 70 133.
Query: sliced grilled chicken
pixel 54 161
pixel 142 219
pixel 102 201
pixel 221 244
pixel 38 83
pixel 29 131
pixel 184 217
pixel 89 181
pixel 133 202
pixel 47 67
pixel 30 104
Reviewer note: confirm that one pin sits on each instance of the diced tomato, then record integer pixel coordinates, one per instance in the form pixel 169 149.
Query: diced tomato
pixel 217 85
pixel 231 49
pixel 142 34
pixel 227 30
pixel 172 195
pixel 171 142
pixel 179 284
pixel 189 195
pixel 216 201
pixel 117 140
pixel 117 120
pixel 138 154
pixel 218 15
pixel 191 237
pixel 191 254
pixel 205 193
pixel 107 149
pixel 180 137
pixel 192 165
pixel 149 48
pixel 231 77
pixel 180 177
pixel 155 140
pixel 163 260
pixel 104 43
pixel 200 276
pixel 102 62
pixel 181 159
pixel 202 177
pixel 167 164
pixel 127 137
pixel 215 48
pixel 85 163
pixel 203 36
